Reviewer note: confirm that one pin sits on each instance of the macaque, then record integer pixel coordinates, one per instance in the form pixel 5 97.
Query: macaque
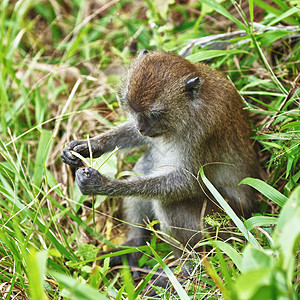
pixel 186 115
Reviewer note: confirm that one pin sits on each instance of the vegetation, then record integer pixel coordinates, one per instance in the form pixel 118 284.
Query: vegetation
pixel 60 65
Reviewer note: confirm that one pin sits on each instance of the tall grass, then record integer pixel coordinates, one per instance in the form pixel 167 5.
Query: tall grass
pixel 59 67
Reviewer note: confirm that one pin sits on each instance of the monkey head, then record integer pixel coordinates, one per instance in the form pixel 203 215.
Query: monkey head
pixel 160 89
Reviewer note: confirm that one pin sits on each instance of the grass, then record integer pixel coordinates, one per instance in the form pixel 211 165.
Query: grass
pixel 59 70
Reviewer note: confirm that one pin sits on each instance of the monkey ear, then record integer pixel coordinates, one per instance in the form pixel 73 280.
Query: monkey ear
pixel 192 85
pixel 143 52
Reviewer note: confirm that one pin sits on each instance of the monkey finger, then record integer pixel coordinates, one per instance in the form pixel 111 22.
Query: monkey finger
pixel 68 155
pixel 82 149
pixel 67 151
pixel 84 181
pixel 91 182
pixel 72 161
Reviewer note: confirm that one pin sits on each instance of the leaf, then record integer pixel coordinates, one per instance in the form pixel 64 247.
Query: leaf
pixel 53 183
pixel 208 54
pixel 76 289
pixel 272 36
pixel 260 221
pixel 107 164
pixel 222 10
pixel 249 283
pixel 266 190
pixel 291 125
pixel 251 12
pixel 271 9
pixel 36 264
pixel 254 259
pixel 127 279
pixel 162 7
pixel 287 231
pixel 227 249
pixel 283 16
pixel 87 251
pixel 41 156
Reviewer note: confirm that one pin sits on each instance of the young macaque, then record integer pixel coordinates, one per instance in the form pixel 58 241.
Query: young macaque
pixel 187 116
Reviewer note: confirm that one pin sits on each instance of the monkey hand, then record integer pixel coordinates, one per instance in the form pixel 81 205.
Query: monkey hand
pixel 91 182
pixel 81 147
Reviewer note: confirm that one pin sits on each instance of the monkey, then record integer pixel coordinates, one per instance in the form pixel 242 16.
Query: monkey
pixel 186 115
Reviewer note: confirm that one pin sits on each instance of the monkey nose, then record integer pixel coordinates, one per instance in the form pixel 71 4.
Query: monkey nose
pixel 86 172
pixel 142 131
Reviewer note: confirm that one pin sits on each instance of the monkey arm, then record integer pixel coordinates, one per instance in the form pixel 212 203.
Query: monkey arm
pixel 123 136
pixel 173 186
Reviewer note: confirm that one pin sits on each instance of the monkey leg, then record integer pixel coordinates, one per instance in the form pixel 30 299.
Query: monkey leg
pixel 137 213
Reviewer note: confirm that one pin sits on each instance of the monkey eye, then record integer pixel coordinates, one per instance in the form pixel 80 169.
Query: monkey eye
pixel 155 115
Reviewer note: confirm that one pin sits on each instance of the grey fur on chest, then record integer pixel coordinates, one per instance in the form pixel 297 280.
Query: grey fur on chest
pixel 160 158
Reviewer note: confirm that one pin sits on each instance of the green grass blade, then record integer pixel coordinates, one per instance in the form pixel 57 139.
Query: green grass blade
pixel 222 10
pixel 267 190
pixel 247 234
pixel 208 54
pixel 76 289
pixel 36 267
pixel 251 14
pixel 82 224
pixel 287 231
pixel 42 228
pixel 291 125
pixel 147 279
pixel 4 103
pixel 227 249
pixel 267 65
pixel 127 279
pixel 260 221
pixel 282 4
pixel 277 12
pixel 177 286
pixel 41 156
pixel 283 16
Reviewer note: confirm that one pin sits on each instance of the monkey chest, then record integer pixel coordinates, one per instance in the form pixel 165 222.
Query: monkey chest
pixel 160 160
